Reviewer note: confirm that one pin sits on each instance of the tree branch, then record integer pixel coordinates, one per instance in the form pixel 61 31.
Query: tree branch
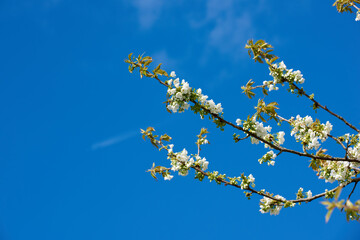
pixel 355 180
pixel 279 148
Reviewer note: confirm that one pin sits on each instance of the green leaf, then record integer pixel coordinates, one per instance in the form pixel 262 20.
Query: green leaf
pixel 153 175
pixel 328 215
pixel 165 137
pixel 147 58
pixel 157 68
pixel 337 193
pixel 150 129
pixel 162 72
pixel 265 91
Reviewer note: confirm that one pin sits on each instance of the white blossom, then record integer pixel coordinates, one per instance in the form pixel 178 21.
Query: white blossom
pixel 309 132
pixel 182 161
pixel 271 85
pixel 181 94
pixel 251 178
pixel 260 131
pixel 168 177
pixel 268 158
pixel 246 181
pixel 174 107
pixel 177 82
pixel 270 205
pixel 282 66
pixel 309 194
pixel 202 162
pixel 279 72
pixel 185 88
pixel 170 149
pixel 186 106
pixel 280 137
pixel 203 98
pixel 171 91
pixel 238 122
pixel 333 171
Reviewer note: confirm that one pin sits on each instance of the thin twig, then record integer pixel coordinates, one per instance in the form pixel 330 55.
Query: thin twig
pixel 283 119
pixel 240 139
pixel 321 106
pixel 338 141
pixel 198 149
pixel 352 190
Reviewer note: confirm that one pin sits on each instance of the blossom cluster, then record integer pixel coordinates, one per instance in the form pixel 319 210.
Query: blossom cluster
pixel 270 205
pixel 202 141
pixel 342 171
pixel 256 128
pixel 201 162
pixel 309 132
pixel 279 72
pixel 182 161
pixel 300 194
pixel 280 137
pixel 259 130
pixel 268 158
pixel 354 152
pixel 246 181
pixel 180 94
pixel 336 171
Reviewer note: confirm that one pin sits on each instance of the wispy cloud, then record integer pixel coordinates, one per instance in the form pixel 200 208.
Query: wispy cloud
pixel 230 33
pixel 114 140
pixel 229 28
pixel 163 57
pixel 148 11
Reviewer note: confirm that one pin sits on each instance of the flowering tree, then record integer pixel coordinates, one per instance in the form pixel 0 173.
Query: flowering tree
pixel 310 133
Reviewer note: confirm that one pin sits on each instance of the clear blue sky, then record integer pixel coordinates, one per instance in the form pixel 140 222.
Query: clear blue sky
pixel 72 161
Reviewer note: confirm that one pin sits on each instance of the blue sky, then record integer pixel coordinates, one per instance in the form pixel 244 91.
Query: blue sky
pixel 72 161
